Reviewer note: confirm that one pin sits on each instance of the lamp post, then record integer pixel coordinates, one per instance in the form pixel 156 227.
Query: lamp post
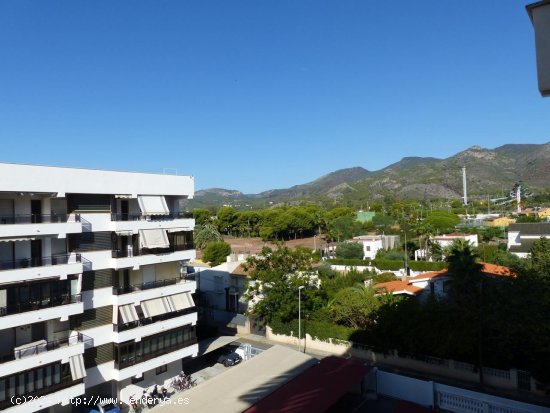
pixel 300 288
pixel 406 258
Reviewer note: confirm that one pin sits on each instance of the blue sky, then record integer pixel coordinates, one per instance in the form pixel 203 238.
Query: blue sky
pixel 254 95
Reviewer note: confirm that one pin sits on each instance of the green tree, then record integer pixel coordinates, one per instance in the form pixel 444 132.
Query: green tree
pixel 442 222
pixel 226 219
pixel 354 306
pixel 201 216
pixel 349 250
pixel 275 276
pixel 216 252
pixel 205 234
pixel 540 257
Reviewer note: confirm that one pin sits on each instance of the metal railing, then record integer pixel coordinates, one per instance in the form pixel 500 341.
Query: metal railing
pixel 50 345
pixel 141 217
pixel 124 253
pixel 36 219
pixel 140 358
pixel 57 259
pixel 117 328
pixel 58 300
pixel 126 289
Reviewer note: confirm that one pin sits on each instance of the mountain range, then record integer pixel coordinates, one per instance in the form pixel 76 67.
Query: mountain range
pixel 490 173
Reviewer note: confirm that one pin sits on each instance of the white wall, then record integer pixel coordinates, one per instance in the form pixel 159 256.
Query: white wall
pixel 32 178
pixel 405 388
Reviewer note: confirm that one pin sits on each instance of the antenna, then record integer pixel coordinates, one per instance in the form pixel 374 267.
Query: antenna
pixel 464 185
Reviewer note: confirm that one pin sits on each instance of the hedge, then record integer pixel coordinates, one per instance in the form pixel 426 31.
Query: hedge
pixel 392 265
pixel 319 330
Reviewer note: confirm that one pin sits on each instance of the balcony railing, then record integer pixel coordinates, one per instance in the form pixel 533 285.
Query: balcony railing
pixel 117 328
pixel 55 301
pixel 140 358
pixel 141 217
pixel 149 285
pixel 48 346
pixel 124 253
pixel 36 219
pixel 57 259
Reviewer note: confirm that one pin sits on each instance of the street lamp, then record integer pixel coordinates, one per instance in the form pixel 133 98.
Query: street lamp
pixel 406 258
pixel 300 288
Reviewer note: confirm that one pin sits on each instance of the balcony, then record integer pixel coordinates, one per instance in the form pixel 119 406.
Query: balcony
pixel 55 394
pixel 149 326
pixel 130 361
pixel 153 289
pixel 43 352
pixel 42 267
pixel 61 307
pixel 135 222
pixel 39 224
pixel 137 257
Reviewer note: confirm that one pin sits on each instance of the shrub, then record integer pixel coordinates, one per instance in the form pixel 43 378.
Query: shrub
pixel 216 252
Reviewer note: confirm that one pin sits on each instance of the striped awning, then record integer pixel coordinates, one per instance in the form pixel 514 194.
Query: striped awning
pixel 157 306
pixel 153 238
pixel 78 371
pixel 180 302
pixel 128 313
pixel 153 205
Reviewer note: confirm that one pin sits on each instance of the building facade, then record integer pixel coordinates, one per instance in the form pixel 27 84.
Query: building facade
pixel 95 299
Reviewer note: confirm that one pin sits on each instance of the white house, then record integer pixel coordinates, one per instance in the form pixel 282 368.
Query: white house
pixel 522 236
pixel 445 241
pixel 94 295
pixel 373 243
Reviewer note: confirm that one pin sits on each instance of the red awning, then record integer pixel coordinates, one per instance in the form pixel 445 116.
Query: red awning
pixel 316 389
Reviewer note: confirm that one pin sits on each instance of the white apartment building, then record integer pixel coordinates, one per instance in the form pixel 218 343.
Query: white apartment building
pixel 95 299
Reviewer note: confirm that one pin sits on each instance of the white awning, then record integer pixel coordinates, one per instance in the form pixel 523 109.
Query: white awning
pixel 123 196
pixel 157 306
pixel 17 239
pixel 78 371
pixel 178 229
pixel 153 205
pixel 153 238
pixel 128 313
pixel 180 302
pixel 124 233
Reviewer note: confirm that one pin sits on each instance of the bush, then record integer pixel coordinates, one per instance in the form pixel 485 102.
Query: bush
pixel 349 250
pixel 427 265
pixel 384 277
pixel 216 252
pixel 319 330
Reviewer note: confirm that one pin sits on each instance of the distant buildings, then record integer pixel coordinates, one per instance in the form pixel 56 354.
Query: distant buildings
pixel 521 237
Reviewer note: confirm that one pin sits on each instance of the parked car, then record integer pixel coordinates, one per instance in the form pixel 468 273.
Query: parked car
pixel 104 408
pixel 230 358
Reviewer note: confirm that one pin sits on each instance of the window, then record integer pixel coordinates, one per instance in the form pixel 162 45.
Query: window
pixel 161 369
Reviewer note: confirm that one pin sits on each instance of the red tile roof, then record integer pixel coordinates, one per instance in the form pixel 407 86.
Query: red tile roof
pixel 316 389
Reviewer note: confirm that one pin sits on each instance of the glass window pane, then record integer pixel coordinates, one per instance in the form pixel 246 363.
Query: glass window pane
pixel 11 386
pixel 153 344
pixel 30 381
pixel 48 376
pixel 2 390
pixel 57 374
pixel 39 379
pixel 21 384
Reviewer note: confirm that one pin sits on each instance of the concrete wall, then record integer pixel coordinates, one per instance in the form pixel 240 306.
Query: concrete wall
pixel 405 388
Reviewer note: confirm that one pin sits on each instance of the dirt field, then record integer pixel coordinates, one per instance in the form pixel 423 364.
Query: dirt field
pixel 255 245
